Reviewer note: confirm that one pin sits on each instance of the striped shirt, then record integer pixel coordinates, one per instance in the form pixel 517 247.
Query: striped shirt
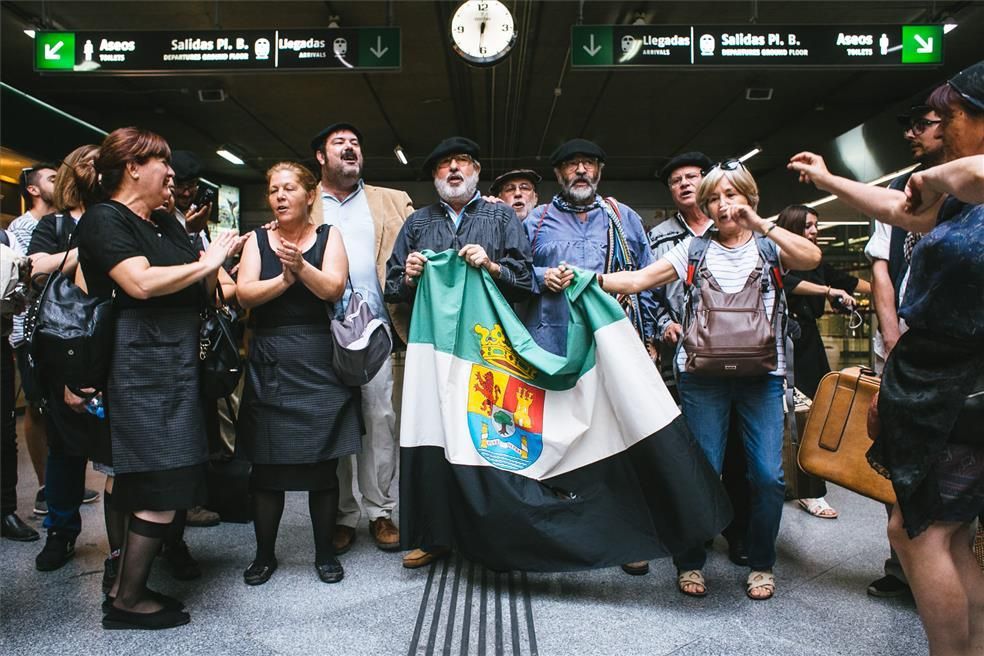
pixel 730 268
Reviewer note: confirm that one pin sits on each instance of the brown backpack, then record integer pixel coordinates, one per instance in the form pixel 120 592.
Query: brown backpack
pixel 731 334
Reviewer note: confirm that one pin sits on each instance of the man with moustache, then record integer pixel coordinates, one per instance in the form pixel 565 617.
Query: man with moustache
pixel 517 188
pixel 369 219
pixel 576 229
pixel 487 235
pixel 889 250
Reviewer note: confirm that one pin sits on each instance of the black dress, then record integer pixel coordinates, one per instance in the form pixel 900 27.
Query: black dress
pixel 296 417
pixel 153 396
pixel 809 356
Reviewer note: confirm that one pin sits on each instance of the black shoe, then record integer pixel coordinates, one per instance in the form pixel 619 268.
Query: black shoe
pixel 888 586
pixel 259 573
pixel 169 603
pixel 111 567
pixel 640 568
pixel 330 572
pixel 180 563
pixel 89 496
pixel 57 551
pixel 12 528
pixel 737 553
pixel 162 619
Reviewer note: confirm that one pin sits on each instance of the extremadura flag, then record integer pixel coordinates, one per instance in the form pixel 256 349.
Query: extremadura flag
pixel 523 459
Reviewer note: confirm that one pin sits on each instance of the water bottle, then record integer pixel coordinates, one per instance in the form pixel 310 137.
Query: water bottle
pixel 94 406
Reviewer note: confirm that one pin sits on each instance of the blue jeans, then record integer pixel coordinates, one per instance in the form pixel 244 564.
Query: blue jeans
pixel 63 490
pixel 707 403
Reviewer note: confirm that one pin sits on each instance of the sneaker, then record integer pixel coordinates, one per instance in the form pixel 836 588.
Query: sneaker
pixel 888 586
pixel 89 496
pixel 182 566
pixel 199 516
pixel 40 503
pixel 111 567
pixel 57 551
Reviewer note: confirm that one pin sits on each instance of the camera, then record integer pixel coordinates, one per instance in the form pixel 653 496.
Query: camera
pixel 204 196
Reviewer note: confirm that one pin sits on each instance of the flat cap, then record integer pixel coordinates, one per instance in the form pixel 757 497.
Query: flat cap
pixel 969 83
pixel 574 147
pixel 185 165
pixel 693 158
pixel 515 174
pixel 319 139
pixel 913 113
pixel 451 146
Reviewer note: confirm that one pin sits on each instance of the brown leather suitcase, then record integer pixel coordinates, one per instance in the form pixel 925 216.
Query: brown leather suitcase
pixel 836 440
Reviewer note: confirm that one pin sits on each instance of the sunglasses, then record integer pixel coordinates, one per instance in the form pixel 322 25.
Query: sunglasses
pixel 920 126
pixel 726 165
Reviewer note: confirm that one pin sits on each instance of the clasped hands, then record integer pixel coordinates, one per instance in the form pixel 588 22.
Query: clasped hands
pixel 558 278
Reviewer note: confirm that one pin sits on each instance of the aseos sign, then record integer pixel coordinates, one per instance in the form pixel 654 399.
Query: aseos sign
pixel 210 51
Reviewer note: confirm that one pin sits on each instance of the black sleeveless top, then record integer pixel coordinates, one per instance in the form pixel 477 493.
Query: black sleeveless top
pixel 298 305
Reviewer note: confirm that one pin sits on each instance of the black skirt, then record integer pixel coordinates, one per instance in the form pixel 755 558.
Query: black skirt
pixel 294 409
pixel 171 489
pixel 927 378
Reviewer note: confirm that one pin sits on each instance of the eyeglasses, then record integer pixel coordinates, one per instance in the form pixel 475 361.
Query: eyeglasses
pixel 678 180
pixel 461 160
pixel 726 165
pixel 525 187
pixel 920 126
pixel 589 164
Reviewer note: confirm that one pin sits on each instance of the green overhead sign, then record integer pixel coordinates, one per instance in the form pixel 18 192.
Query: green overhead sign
pixel 54 51
pixel 209 51
pixel 751 46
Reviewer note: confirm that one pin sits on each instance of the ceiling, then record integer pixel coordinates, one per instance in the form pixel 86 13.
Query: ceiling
pixel 518 111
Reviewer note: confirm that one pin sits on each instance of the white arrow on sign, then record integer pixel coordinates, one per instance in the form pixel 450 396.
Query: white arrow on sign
pixel 379 50
pixel 925 45
pixel 51 52
pixel 593 50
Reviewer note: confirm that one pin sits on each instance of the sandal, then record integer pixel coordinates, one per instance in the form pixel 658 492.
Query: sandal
pixel 818 508
pixel 760 581
pixel 691 577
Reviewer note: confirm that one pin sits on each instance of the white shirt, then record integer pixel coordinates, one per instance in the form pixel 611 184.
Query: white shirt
pixel 878 248
pixel 730 268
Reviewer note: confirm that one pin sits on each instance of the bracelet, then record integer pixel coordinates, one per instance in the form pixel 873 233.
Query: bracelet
pixel 769 229
pixel 826 294
pixel 601 281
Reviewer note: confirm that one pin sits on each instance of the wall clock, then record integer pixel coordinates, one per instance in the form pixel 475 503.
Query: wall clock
pixel 483 32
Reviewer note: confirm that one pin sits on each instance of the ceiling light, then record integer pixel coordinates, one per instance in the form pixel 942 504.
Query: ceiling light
pixel 230 156
pixel 400 155
pixel 750 154
pixel 31 33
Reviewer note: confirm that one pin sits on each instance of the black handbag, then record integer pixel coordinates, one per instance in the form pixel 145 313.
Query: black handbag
pixel 218 348
pixel 69 331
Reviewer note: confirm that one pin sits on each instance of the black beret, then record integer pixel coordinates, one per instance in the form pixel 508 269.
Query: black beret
pixel 523 174
pixel 576 147
pixel 693 158
pixel 969 83
pixel 450 146
pixel 915 112
pixel 319 139
pixel 185 164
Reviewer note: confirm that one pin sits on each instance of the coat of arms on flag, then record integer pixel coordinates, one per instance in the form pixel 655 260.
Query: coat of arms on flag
pixel 505 413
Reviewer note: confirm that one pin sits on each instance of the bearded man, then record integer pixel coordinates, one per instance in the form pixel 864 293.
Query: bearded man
pixel 487 235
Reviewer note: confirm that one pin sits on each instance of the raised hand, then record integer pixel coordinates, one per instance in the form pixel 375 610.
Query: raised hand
pixel 810 166
pixel 291 256
pixel 919 197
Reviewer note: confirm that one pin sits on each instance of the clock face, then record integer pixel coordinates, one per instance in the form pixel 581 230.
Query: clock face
pixel 483 31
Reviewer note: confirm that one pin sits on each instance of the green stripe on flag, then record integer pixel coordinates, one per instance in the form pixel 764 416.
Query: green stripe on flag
pixel 457 308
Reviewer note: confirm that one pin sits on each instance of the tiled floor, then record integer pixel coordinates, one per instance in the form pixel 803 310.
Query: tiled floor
pixel 380 608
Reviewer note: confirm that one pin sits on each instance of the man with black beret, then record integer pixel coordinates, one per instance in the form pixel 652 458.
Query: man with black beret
pixel 487 235
pixel 369 218
pixel 517 188
pixel 576 229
